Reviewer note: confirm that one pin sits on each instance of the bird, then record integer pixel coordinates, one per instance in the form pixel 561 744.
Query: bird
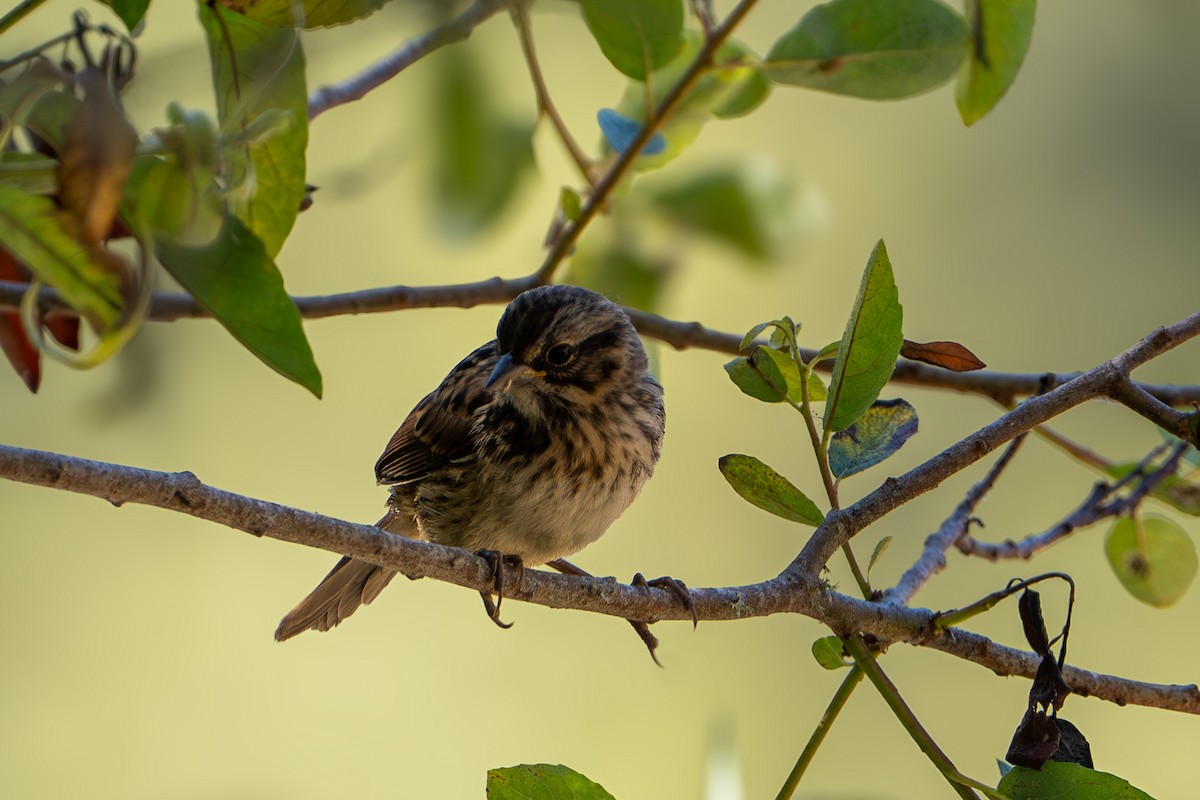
pixel 527 451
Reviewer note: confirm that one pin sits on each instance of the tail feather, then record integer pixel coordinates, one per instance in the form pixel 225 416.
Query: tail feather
pixel 350 584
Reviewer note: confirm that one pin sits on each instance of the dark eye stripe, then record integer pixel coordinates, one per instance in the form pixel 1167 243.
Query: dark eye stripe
pixel 601 341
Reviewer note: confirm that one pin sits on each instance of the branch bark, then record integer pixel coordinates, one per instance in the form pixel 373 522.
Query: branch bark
pixel 1001 386
pixel 183 492
pixel 372 77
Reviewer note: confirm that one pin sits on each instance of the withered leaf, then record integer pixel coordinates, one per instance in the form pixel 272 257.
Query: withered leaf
pixel 1073 746
pixel 947 355
pixel 1030 607
pixel 1049 688
pixel 96 158
pixel 1035 741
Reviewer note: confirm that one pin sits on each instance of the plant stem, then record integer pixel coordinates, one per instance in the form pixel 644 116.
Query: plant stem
pixel 17 14
pixel 961 784
pixel 545 104
pixel 604 188
pixel 849 683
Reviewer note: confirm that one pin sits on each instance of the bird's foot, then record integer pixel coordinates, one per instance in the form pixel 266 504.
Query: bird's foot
pixel 496 563
pixel 677 588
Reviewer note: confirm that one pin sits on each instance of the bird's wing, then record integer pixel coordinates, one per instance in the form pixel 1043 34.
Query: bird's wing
pixel 438 430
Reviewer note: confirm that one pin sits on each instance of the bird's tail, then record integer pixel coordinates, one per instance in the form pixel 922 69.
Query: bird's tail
pixel 350 584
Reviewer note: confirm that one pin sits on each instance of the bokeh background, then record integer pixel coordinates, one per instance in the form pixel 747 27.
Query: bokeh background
pixel 137 652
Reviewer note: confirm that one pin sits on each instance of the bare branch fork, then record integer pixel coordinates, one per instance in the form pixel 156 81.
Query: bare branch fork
pixel 798 589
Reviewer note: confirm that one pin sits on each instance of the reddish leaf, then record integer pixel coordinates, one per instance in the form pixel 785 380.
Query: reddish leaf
pixel 947 355
pixel 63 325
pixel 20 351
pixel 16 345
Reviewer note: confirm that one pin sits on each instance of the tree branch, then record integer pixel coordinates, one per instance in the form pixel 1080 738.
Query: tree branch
pixel 183 492
pixel 933 557
pixel 1003 386
pixel 357 86
pixel 1098 505
pixel 840 526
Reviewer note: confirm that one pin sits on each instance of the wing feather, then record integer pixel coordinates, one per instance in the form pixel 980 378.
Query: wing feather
pixel 438 430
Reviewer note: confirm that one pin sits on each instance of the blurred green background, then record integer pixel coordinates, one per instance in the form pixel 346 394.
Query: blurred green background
pixel 137 652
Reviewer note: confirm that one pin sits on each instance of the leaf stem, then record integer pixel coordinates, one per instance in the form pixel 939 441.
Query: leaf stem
pixel 545 104
pixel 840 697
pixel 18 13
pixel 961 784
pixel 821 451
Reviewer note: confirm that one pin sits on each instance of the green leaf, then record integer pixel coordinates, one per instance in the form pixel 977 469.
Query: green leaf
pixel 542 782
pixel 258 74
pixel 307 13
pixel 880 548
pixel 753 333
pixel 770 376
pixel 877 49
pixel 828 652
pixel 1153 558
pixel 729 88
pixel 479 155
pixel 767 489
pixel 636 36
pixel 571 203
pixel 738 74
pixel 31 228
pixel 1063 781
pixel 130 11
pixel 749 207
pixel 876 435
pixel 869 347
pixel 236 280
pixel 1002 31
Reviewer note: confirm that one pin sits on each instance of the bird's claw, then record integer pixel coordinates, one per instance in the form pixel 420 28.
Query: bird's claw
pixel 496 563
pixel 675 587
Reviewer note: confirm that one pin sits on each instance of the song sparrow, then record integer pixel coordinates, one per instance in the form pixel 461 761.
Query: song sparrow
pixel 530 447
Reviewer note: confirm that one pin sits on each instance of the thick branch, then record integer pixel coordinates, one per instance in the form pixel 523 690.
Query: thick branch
pixel 1003 386
pixel 183 492
pixel 357 86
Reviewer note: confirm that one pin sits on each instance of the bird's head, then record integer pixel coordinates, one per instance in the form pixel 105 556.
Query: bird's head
pixel 565 344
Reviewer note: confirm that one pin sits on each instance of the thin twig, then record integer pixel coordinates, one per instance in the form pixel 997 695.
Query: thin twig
pixel 933 557
pixel 545 104
pixel 1100 504
pixel 172 306
pixel 357 86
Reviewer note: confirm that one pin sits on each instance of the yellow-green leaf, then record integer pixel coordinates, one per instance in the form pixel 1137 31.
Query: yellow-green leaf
pixel 1001 33
pixel 31 228
pixel 767 489
pixel 1153 558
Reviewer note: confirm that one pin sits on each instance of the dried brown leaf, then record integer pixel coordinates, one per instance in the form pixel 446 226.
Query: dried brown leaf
pixel 947 355
pixel 96 158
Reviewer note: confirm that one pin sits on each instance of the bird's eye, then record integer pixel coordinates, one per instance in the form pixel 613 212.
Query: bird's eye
pixel 560 355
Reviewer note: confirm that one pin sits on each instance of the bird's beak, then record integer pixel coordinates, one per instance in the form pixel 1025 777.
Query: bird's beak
pixel 507 370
